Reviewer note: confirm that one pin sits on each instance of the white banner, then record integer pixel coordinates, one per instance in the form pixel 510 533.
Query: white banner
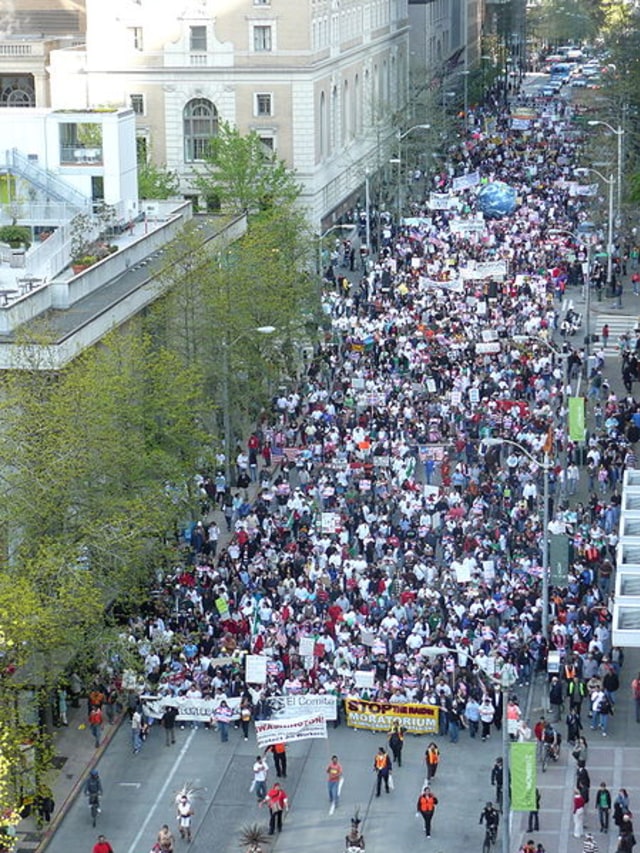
pixel 467 226
pixel 287 730
pixel 520 123
pixel 463 182
pixel 304 703
pixel 484 269
pixel 443 201
pixel 188 709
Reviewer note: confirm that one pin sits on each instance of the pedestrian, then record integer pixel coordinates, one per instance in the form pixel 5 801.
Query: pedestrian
pixel 136 730
pixel 556 697
pixel 635 692
pixel 223 718
pixel 185 813
pixel 95 724
pixel 590 845
pixel 62 706
pixel 432 759
pixel 45 804
pixel 583 783
pixel 603 804
pixel 260 771
pixel 620 807
pixel 487 713
pixel 246 714
pixel 534 821
pixel 279 751
pixel 581 751
pixel 382 766
pixel 472 716
pixel 426 807
pixel 578 814
pixel 574 726
pixel 497 778
pixel 165 840
pixel 396 742
pixel 278 803
pixel 334 782
pixel 168 721
pixel 102 845
pixel 605 334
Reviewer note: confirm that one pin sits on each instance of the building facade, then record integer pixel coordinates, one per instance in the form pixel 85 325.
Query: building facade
pixel 321 81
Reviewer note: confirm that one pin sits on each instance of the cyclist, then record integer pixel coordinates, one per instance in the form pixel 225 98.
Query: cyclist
pixel 491 818
pixel 93 788
pixel 552 740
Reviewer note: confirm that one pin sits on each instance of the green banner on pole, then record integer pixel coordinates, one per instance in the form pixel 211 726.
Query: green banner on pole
pixel 576 418
pixel 524 778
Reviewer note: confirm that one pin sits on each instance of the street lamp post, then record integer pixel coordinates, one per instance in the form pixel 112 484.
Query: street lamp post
pixel 587 308
pixel 326 234
pixel 396 161
pixel 401 159
pixel 619 132
pixel 226 402
pixel 610 182
pixel 508 678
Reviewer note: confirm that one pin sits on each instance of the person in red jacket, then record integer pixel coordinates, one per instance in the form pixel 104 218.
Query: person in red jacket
pixel 278 802
pixel 102 845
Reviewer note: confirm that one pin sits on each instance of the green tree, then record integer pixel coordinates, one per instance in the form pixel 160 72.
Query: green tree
pixel 157 181
pixel 244 175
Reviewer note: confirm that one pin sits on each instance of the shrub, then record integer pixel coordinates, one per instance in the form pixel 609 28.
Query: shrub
pixel 15 235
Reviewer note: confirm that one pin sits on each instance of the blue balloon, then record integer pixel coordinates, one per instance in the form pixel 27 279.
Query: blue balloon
pixel 497 199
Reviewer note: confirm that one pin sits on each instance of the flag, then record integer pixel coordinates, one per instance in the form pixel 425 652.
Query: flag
pixel 576 419
pixel 524 778
pixel 547 447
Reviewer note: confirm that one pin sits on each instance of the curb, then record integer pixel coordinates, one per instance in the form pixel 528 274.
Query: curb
pixel 50 831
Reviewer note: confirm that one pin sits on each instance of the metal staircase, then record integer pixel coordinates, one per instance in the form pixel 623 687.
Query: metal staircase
pixel 53 187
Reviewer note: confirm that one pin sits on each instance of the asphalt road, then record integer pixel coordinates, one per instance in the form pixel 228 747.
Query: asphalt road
pixel 140 790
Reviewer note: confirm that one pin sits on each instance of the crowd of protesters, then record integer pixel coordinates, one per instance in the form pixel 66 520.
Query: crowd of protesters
pixel 375 508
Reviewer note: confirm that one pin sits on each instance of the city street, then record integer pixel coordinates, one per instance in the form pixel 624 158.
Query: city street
pixel 140 790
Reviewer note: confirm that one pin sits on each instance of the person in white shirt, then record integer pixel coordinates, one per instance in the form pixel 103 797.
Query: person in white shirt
pixel 260 771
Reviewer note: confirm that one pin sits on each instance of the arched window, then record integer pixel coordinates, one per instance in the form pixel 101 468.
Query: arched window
pixel 200 122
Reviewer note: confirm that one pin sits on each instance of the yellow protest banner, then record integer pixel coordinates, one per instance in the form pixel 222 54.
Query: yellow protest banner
pixel 415 717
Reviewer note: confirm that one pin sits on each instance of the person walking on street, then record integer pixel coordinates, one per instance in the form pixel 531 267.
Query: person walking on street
pixel 165 840
pixel 396 742
pixel 605 334
pixel 426 807
pixel 432 759
pixel 260 770
pixel 497 778
pixel 223 718
pixel 102 845
pixel 95 724
pixel 169 724
pixel 136 730
pixel 277 802
pixel 603 804
pixel 578 814
pixel 590 845
pixel 583 782
pixel 279 751
pixel 635 690
pixel 534 819
pixel 382 766
pixel 334 782
pixel 185 813
pixel 487 713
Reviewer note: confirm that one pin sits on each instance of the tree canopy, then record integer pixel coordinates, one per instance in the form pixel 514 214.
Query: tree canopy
pixel 243 175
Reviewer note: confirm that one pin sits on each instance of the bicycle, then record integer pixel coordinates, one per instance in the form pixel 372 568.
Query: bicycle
pixel 94 806
pixel 490 837
pixel 549 753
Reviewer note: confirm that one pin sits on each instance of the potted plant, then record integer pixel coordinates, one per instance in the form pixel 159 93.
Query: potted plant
pixel 253 838
pixel 16 236
pixel 81 240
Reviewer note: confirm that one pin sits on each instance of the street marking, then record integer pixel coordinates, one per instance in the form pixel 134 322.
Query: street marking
pixel 135 845
pixel 130 784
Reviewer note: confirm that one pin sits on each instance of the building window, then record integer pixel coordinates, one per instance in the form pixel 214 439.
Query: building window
pixel 268 142
pixel 135 35
pixel 263 105
pixel 137 104
pixel 200 124
pixel 198 38
pixel 262 41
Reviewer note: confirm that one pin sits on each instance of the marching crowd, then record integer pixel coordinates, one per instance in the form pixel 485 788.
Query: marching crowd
pixel 389 507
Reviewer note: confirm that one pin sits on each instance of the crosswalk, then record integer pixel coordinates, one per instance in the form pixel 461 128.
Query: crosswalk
pixel 619 324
